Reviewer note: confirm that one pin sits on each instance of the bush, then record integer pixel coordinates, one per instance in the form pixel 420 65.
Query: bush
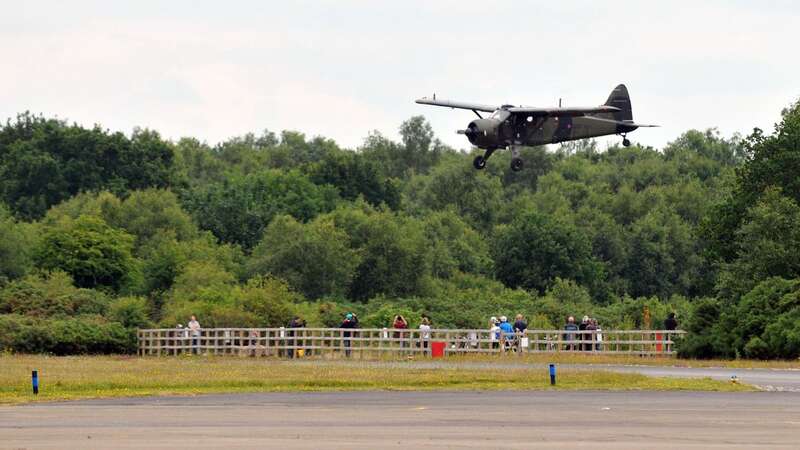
pixel 756 348
pixel 50 295
pixel 64 336
pixel 130 312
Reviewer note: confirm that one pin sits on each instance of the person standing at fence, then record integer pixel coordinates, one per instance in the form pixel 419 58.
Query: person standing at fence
pixel 582 336
pixel 591 328
pixel 194 328
pixel 671 323
pixel 598 336
pixel 400 323
pixel 507 332
pixel 494 332
pixel 519 324
pixel 296 322
pixel 425 331
pixel 350 322
pixel 569 336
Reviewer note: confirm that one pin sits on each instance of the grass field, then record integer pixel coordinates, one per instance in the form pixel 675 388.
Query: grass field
pixel 76 377
pixel 579 358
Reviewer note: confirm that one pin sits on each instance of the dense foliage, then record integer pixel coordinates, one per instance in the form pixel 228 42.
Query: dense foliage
pixel 101 233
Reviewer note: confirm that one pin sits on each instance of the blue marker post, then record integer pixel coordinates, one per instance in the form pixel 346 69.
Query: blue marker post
pixel 35 381
pixel 552 374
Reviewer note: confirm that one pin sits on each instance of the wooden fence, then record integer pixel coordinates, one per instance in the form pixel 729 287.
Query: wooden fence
pixel 371 342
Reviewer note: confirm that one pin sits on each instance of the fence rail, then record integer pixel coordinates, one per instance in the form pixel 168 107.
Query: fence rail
pixel 370 342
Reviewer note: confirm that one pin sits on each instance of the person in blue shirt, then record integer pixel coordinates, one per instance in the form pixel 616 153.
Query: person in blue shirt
pixel 507 329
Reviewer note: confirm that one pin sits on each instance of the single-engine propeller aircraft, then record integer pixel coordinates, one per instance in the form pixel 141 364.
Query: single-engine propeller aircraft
pixel 511 126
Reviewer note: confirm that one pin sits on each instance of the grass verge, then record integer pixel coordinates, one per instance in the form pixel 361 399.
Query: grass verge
pixel 580 358
pixel 80 377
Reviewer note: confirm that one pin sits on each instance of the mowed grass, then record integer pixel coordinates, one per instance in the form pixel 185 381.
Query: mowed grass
pixel 80 377
pixel 585 358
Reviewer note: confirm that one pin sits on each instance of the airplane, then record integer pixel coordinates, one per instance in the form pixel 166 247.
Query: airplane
pixel 511 126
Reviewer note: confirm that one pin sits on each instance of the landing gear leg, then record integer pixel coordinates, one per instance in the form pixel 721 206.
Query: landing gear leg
pixel 480 161
pixel 516 161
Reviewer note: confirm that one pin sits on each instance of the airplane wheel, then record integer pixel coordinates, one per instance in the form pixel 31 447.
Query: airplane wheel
pixel 626 142
pixel 479 162
pixel 516 164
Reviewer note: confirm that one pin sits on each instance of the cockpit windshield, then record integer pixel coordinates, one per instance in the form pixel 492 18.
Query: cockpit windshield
pixel 500 114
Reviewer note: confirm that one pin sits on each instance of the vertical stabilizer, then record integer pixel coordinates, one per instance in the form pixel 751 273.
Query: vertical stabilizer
pixel 619 99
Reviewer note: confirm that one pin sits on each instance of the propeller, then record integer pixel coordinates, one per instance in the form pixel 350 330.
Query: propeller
pixel 471 130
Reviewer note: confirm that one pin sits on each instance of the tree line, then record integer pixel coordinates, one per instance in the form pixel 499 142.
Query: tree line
pixel 101 233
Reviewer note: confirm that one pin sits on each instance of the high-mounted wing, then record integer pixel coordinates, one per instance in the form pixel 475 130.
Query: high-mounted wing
pixel 459 105
pixel 573 111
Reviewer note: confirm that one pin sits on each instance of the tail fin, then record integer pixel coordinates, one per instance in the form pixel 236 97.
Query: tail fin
pixel 619 98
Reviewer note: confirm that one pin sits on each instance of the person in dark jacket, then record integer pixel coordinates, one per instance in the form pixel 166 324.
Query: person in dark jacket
pixel 583 336
pixel 571 330
pixel 670 323
pixel 589 339
pixel 296 322
pixel 519 324
pixel 350 322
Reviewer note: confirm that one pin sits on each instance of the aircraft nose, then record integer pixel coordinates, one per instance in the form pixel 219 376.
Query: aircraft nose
pixel 472 132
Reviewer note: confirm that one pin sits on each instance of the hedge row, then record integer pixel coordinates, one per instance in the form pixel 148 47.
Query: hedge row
pixel 67 336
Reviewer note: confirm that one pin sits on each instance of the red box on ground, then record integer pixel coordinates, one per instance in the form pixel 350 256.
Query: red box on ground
pixel 437 349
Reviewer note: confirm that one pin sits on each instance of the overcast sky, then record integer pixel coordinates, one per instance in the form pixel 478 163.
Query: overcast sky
pixel 342 68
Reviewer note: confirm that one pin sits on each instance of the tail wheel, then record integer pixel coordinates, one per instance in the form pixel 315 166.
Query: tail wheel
pixel 479 162
pixel 516 164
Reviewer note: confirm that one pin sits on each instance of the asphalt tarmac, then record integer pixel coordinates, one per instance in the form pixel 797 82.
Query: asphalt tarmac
pixel 374 420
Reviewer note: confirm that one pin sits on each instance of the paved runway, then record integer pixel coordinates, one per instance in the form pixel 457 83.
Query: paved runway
pixel 346 420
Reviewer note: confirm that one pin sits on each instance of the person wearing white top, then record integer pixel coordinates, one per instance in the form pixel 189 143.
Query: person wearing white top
pixel 494 332
pixel 194 326
pixel 425 331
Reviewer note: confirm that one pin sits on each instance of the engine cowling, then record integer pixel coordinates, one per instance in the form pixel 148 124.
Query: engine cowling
pixel 483 133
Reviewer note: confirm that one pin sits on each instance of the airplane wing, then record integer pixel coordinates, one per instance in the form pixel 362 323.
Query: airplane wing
pixel 459 105
pixel 573 111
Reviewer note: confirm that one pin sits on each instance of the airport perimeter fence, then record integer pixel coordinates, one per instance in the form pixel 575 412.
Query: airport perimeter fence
pixel 373 342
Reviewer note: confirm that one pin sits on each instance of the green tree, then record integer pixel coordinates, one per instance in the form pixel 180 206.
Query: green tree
pixel 354 175
pixel 238 210
pixel 772 161
pixel 92 252
pixel 16 242
pixel 473 194
pixel 455 246
pixel 147 212
pixel 314 258
pixel 392 248
pixel 662 260
pixel 535 249
pixel 767 243
pixel 269 299
pixel 44 161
